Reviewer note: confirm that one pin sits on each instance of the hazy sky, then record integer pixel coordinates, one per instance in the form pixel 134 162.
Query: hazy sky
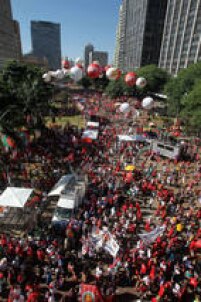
pixel 82 22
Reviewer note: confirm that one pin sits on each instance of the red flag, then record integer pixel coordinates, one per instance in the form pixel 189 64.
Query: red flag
pixel 90 293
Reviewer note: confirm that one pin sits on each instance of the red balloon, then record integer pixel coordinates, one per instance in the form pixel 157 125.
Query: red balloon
pixel 79 65
pixel 93 71
pixel 107 67
pixel 197 244
pixel 130 79
pixel 66 64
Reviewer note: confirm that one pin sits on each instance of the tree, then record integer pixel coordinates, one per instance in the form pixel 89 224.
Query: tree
pixel 116 88
pixel 191 112
pixel 156 79
pixel 179 86
pixel 85 82
pixel 23 93
pixel 155 76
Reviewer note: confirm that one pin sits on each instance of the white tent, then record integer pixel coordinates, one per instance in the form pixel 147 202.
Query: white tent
pixel 61 184
pixel 92 134
pixel 15 197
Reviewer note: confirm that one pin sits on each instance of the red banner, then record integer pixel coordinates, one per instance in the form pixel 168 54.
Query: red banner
pixel 90 293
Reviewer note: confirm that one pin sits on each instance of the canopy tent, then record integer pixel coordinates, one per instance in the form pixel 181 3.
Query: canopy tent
pixel 61 184
pixel 93 124
pixel 15 197
pixel 92 134
pixel 131 138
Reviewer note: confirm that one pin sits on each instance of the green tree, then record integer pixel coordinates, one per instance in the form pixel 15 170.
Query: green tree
pixel 85 82
pixel 23 92
pixel 180 86
pixel 155 76
pixel 191 112
pixel 116 88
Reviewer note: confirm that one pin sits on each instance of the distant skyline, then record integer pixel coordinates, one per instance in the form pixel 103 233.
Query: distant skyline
pixel 82 22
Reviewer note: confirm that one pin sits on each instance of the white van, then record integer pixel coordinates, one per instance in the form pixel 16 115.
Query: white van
pixel 70 199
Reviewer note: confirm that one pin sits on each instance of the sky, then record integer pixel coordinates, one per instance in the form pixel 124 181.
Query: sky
pixel 82 22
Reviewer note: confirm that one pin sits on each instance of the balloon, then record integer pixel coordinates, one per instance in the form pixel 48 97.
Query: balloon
pixel 59 74
pixel 141 82
pixel 96 62
pixel 76 73
pixel 113 73
pixel 107 67
pixel 130 79
pixel 78 61
pixel 93 71
pixel 124 108
pixel 47 77
pixel 79 65
pixel 147 103
pixel 198 244
pixel 65 64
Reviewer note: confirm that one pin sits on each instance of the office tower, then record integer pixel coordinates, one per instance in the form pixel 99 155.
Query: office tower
pixel 10 44
pixel 100 56
pixel 181 44
pixel 142 27
pixel 17 39
pixel 46 42
pixel 119 36
pixel 88 48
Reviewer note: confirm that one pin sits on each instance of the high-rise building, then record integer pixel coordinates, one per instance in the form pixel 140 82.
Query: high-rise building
pixel 100 56
pixel 181 44
pixel 88 48
pixel 10 44
pixel 141 32
pixel 46 42
pixel 118 37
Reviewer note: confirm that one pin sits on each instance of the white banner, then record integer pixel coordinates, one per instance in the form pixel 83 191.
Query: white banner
pixel 105 240
pixel 150 237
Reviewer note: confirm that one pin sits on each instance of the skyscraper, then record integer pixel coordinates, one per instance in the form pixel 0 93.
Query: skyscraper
pixel 100 56
pixel 118 56
pixel 88 48
pixel 46 42
pixel 181 43
pixel 141 32
pixel 10 43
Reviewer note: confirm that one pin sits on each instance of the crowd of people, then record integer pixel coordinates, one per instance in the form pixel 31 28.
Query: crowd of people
pixel 158 196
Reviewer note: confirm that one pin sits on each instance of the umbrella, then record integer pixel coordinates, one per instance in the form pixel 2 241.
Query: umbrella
pixel 130 168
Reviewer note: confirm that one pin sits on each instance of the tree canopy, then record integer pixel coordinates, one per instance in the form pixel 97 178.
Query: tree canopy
pixel 180 86
pixel 23 92
pixel 191 103
pixel 156 80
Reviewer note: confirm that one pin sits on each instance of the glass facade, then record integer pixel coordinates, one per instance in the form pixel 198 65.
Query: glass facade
pixel 46 42
pixel 182 35
pixel 143 22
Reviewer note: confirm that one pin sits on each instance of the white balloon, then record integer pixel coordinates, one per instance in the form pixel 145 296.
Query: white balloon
pixel 96 62
pixel 78 61
pixel 59 74
pixel 148 103
pixel 124 108
pixel 76 73
pixel 112 73
pixel 141 82
pixel 47 77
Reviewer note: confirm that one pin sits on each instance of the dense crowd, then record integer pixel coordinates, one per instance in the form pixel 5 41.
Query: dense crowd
pixel 158 192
